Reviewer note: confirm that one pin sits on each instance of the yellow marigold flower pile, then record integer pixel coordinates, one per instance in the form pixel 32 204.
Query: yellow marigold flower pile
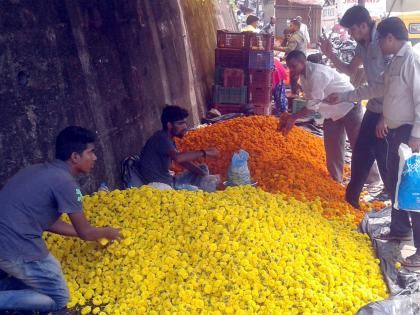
pixel 294 165
pixel 238 251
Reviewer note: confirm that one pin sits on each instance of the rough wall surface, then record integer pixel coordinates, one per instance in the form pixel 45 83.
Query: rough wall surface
pixel 108 65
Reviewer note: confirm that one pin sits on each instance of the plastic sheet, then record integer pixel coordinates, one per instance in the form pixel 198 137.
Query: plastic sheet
pixel 403 284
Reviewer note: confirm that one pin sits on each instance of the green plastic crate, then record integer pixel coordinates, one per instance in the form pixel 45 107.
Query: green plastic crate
pixel 230 95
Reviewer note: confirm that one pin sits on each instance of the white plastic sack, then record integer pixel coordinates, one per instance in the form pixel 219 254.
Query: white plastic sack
pixel 407 194
pixel 238 172
pixel 160 186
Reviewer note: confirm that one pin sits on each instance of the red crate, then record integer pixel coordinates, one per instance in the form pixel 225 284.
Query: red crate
pixel 230 108
pixel 260 78
pixel 260 41
pixel 259 95
pixel 231 40
pixel 262 110
pixel 231 58
pixel 233 77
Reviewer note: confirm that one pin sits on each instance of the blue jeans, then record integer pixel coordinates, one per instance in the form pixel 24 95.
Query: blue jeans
pixel 33 286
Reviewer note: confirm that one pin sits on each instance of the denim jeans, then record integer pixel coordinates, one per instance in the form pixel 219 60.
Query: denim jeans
pixel 33 286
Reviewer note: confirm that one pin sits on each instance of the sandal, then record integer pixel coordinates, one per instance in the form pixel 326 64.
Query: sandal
pixel 411 261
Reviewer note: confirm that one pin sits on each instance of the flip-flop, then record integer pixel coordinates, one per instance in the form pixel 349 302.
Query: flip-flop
pixel 411 261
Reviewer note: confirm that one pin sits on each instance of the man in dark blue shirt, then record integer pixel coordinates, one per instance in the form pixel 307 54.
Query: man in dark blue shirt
pixel 32 202
pixel 160 150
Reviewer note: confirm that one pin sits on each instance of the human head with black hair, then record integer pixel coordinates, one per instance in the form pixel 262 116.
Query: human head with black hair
pixel 174 120
pixel 252 20
pixel 272 20
pixel 359 24
pixel 75 145
pixel 392 34
pixel 296 62
pixel 294 25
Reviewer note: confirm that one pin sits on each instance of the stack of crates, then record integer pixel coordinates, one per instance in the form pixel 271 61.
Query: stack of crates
pixel 243 75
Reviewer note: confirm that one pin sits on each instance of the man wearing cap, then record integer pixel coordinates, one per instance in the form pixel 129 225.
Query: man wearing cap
pixel 251 24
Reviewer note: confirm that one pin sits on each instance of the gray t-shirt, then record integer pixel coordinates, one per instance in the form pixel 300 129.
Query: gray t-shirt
pixel 30 203
pixel 374 65
pixel 155 160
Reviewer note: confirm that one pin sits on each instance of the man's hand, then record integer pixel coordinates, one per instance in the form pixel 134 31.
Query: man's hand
pixel 111 233
pixel 326 46
pixel 287 124
pixel 414 144
pixel 212 152
pixel 333 99
pixel 381 128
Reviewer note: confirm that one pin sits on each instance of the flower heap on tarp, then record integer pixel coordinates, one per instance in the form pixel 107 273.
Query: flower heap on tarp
pixel 238 251
pixel 294 165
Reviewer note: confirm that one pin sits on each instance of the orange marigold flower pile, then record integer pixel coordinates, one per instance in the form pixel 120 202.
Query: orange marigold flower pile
pixel 294 165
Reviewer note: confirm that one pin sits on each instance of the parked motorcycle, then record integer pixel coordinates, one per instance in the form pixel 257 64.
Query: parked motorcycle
pixel 344 49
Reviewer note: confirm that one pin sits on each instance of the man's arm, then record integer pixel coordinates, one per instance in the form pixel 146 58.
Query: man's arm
pixel 192 156
pixel 349 69
pixel 88 232
pixel 364 92
pixel 62 228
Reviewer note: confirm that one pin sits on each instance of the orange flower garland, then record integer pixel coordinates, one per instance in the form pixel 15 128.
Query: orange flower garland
pixel 293 165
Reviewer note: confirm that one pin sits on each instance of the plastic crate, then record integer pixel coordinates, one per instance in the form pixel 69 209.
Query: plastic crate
pixel 263 60
pixel 262 110
pixel 260 41
pixel 260 95
pixel 231 58
pixel 233 77
pixel 231 40
pixel 230 95
pixel 230 108
pixel 218 75
pixel 260 78
pixel 298 104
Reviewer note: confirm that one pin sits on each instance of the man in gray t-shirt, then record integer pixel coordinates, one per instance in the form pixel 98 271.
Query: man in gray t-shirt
pixel 369 148
pixel 32 202
pixel 160 150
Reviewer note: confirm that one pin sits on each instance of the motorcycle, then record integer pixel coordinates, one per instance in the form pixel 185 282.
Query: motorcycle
pixel 344 48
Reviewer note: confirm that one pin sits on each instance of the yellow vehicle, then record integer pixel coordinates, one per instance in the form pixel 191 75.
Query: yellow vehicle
pixel 412 21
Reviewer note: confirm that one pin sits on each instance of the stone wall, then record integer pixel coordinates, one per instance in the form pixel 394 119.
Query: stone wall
pixel 108 65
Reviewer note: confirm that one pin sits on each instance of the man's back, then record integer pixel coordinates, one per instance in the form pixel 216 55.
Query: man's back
pixel 155 161
pixel 31 202
pixel 296 42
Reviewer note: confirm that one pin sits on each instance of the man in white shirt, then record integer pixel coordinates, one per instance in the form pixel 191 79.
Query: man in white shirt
pixel 304 29
pixel 401 118
pixel 317 81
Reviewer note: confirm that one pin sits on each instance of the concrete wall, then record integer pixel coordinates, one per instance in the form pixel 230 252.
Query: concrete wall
pixel 108 65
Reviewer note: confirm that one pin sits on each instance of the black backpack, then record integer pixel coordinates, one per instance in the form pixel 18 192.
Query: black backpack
pixel 129 172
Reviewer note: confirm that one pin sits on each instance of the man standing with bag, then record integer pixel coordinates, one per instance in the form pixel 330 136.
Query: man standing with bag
pixel 368 147
pixel 401 111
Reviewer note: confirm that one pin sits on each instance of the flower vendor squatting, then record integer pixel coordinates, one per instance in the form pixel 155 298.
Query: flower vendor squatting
pixel 369 150
pixel 32 202
pixel 401 112
pixel 160 150
pixel 318 81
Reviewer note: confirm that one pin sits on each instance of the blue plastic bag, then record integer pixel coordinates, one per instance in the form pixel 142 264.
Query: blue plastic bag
pixel 407 195
pixel 238 172
pixel 280 97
